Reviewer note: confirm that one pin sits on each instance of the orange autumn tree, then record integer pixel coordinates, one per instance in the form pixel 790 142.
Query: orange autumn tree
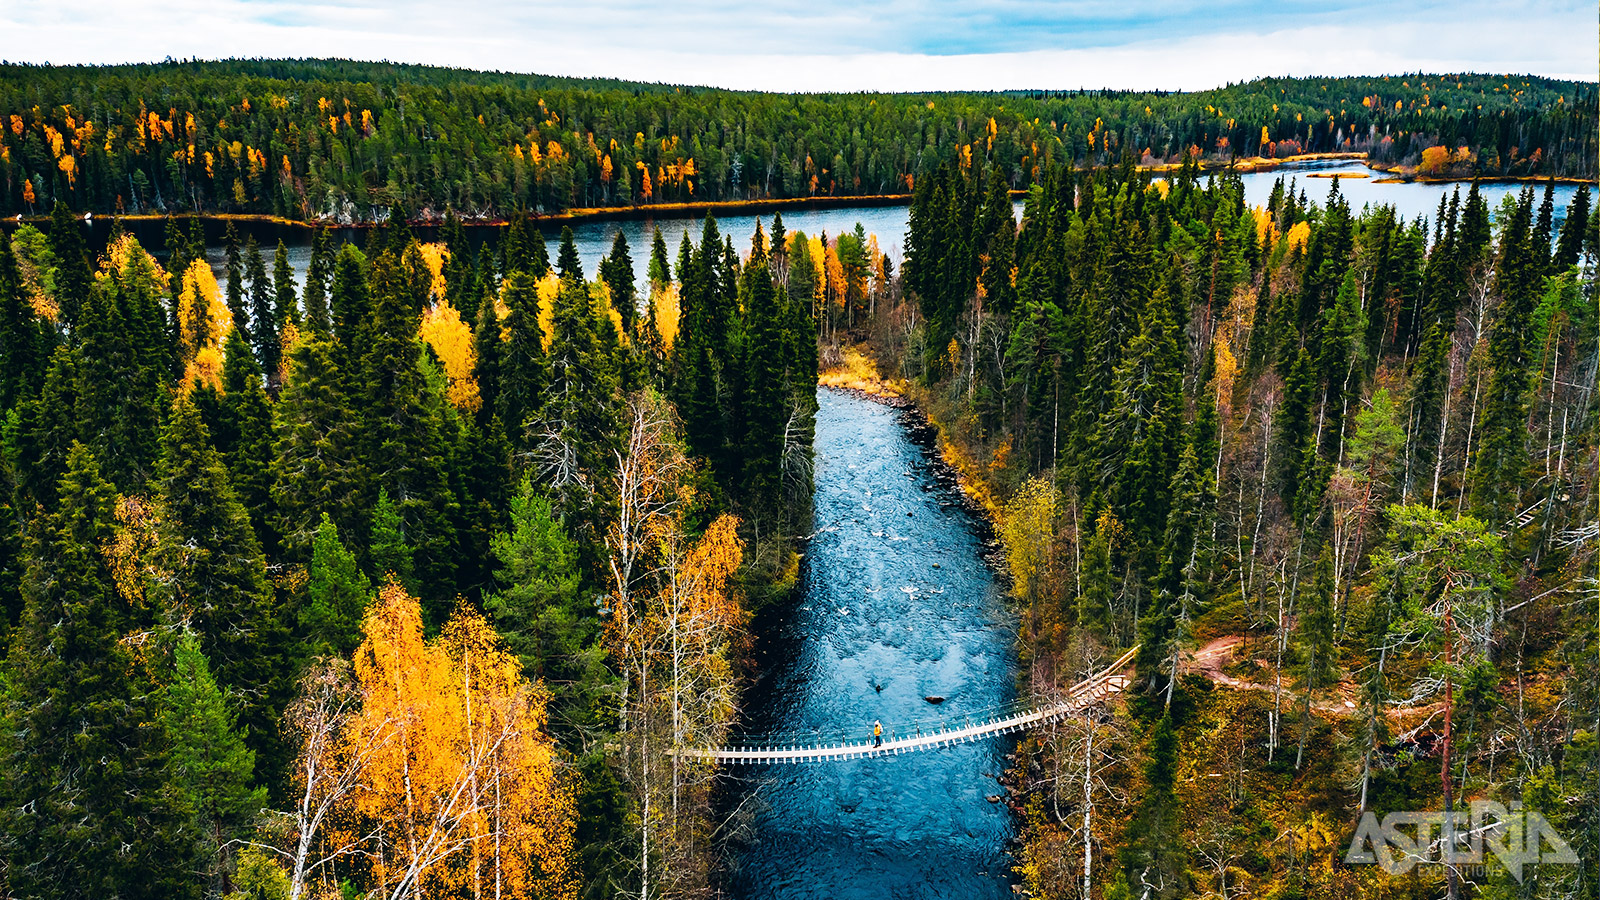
pixel 203 324
pixel 456 789
pixel 451 340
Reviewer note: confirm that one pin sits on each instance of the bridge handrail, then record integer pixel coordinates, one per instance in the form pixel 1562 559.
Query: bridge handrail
pixel 1081 694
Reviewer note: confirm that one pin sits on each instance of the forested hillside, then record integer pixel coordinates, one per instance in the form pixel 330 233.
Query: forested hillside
pixel 399 580
pixel 1334 474
pixel 334 140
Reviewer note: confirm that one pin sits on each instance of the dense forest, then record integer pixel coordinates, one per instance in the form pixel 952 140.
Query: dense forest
pixel 406 579
pixel 392 582
pixel 1334 475
pixel 340 141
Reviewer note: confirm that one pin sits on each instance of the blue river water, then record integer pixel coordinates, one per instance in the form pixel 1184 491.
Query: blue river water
pixel 895 605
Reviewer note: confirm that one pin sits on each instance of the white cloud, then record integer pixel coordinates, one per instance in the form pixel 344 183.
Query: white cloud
pixel 835 45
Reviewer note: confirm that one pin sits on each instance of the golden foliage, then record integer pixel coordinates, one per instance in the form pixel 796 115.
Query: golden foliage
pixel 1298 236
pixel 1266 228
pixel 459 772
pixel 451 340
pixel 600 306
pixel 126 251
pixel 131 552
pixel 549 289
pixel 1027 529
pixel 435 256
pixel 664 301
pixel 203 324
pixel 1226 369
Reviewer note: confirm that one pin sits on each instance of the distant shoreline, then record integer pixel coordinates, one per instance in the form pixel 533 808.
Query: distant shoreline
pixel 1254 164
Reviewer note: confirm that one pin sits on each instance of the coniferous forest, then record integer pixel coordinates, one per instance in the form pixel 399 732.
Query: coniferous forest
pixel 1331 472
pixel 342 141
pixel 312 590
pixel 408 577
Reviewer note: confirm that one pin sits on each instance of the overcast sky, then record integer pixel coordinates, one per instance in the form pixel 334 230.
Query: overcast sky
pixel 841 44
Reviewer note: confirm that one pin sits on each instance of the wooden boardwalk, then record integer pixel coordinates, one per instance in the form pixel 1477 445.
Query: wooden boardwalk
pixel 1084 694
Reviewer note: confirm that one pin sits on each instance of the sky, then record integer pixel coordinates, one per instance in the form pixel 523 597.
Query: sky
pixel 840 45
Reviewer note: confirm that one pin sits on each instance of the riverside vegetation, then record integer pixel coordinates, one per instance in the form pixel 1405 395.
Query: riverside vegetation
pixel 402 580
pixel 396 583
pixel 1333 472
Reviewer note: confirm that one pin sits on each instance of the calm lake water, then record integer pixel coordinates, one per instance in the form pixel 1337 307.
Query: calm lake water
pixel 594 238
pixel 894 605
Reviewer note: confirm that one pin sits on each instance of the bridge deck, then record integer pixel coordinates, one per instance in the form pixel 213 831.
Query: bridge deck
pixel 1082 695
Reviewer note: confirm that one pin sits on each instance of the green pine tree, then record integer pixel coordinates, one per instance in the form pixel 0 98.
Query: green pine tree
pixel 336 596
pixel 219 578
pixel 317 467
pixel 318 319
pixel 522 365
pixel 87 812
pixel 391 558
pixel 246 437
pixel 208 764
pixel 24 341
pixel 74 273
pixel 1153 853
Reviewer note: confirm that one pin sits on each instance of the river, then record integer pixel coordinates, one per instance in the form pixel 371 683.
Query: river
pixel 895 604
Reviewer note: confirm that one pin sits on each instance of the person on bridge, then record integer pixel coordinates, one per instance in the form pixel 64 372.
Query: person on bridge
pixel 877 733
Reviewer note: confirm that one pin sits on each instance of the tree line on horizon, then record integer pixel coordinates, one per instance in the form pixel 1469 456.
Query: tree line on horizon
pixel 341 141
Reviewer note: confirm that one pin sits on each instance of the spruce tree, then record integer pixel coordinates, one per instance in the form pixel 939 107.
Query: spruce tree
pixel 1316 667
pixel 1294 427
pixel 208 764
pixel 87 812
pixel 350 306
pixel 1154 854
pixel 46 426
pixel 233 273
pixel 336 596
pixel 120 390
pixel 1092 614
pixel 537 607
pixel 617 272
pixel 74 274
pixel 285 311
pixel 24 343
pixel 402 433
pixel 1139 433
pixel 219 578
pixel 246 437
pixel 318 320
pixel 521 358
pixel 1502 451
pixel 391 558
pixel 579 420
pixel 766 401
pixel 318 469
pixel 1569 246
pixel 263 330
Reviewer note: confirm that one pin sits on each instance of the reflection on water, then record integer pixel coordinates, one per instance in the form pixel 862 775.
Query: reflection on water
pixel 874 628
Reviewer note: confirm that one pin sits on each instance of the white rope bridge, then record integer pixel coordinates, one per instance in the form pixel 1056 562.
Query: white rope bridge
pixel 1016 717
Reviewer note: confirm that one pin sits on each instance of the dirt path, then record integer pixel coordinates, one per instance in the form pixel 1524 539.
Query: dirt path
pixel 1216 655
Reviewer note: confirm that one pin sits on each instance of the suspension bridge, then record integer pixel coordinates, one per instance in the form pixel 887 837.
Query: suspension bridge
pixel 1020 715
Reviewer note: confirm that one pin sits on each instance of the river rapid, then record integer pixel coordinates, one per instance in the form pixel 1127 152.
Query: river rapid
pixel 895 604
